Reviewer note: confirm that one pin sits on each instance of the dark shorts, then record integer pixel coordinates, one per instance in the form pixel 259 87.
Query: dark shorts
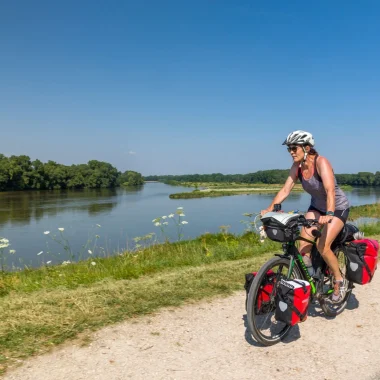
pixel 340 214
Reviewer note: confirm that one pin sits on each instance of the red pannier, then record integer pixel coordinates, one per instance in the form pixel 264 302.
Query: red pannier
pixel 361 260
pixel 292 301
pixel 265 291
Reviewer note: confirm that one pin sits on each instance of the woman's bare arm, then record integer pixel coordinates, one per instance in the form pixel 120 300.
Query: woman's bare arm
pixel 286 189
pixel 326 173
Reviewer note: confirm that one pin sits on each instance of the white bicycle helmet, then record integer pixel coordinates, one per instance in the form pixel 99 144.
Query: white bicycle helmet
pixel 299 138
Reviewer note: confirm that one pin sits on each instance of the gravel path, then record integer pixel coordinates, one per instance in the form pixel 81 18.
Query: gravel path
pixel 209 340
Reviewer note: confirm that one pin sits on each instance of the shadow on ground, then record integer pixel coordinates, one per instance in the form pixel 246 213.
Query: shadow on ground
pixel 292 336
pixel 294 333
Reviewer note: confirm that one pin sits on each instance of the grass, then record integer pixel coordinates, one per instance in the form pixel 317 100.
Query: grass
pixel 370 229
pixel 205 249
pixel 44 307
pixel 33 323
pixel 370 210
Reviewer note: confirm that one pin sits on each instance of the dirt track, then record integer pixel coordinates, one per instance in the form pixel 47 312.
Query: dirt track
pixel 209 340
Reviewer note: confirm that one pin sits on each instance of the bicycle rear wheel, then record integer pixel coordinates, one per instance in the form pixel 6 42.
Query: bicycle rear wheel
pixel 330 309
pixel 265 329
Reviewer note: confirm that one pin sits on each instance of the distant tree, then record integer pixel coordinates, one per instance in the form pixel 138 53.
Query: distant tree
pixel 266 177
pixel 4 173
pixel 131 178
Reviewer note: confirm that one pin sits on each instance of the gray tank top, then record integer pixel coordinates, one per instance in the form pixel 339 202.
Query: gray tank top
pixel 314 187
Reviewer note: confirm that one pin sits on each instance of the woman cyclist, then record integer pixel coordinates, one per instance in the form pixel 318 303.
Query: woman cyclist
pixel 329 204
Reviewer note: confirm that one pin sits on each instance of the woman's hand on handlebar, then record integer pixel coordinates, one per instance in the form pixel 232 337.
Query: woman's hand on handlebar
pixel 324 219
pixel 262 212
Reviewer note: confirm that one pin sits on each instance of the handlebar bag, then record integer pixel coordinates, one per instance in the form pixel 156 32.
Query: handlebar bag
pixel 281 227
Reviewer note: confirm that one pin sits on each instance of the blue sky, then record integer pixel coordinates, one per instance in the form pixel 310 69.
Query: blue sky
pixel 176 87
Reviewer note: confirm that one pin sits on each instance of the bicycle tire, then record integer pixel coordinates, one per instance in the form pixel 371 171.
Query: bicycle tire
pixel 251 302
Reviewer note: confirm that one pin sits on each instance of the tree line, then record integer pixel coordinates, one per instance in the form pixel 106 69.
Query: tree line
pixel 20 173
pixel 265 176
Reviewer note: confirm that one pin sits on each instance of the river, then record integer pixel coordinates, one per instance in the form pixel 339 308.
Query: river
pixel 117 216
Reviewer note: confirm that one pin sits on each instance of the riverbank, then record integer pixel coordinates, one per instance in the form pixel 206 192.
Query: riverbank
pixel 367 211
pixel 41 308
pixel 203 190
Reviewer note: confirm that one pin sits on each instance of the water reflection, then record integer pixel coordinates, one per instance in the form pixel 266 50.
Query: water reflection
pixel 20 208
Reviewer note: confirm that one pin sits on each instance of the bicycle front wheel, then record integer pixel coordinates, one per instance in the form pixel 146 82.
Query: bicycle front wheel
pixel 265 329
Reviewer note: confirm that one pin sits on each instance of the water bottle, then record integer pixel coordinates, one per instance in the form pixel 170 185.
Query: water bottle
pixel 309 265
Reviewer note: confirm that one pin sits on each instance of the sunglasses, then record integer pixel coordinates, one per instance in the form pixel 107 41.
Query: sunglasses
pixel 292 148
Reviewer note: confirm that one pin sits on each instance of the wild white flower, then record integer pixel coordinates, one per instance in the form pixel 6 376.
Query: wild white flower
pixel 184 222
pixel 164 217
pixel 165 223
pixel 157 224
pixel 12 251
pixel 66 262
pixel 89 251
pixel 48 262
pixel 4 243
pixel 40 253
pixel 97 236
pixel 98 225
pixel 47 232
pixel 93 263
pixel 179 208
pixel 61 229
pixel 171 216
pixel 182 214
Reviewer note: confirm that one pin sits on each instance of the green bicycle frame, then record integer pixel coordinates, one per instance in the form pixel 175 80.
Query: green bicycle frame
pixel 298 257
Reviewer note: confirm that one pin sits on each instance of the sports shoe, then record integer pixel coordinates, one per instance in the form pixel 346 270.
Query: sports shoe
pixel 337 298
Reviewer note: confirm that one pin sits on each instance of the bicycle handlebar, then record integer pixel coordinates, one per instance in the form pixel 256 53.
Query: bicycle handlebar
pixel 308 223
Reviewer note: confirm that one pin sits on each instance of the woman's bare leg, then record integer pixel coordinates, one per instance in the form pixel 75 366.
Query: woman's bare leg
pixel 306 233
pixel 329 233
